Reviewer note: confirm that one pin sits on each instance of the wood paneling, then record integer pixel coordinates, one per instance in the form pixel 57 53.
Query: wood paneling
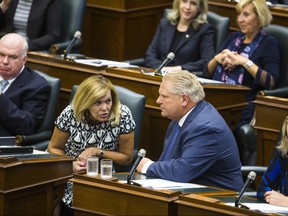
pixel 33 185
pixel 270 113
pixel 122 29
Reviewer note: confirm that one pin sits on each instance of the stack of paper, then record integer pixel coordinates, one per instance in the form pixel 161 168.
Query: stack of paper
pixel 102 62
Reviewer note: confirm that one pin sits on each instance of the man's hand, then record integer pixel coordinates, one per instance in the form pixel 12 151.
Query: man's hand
pixel 141 164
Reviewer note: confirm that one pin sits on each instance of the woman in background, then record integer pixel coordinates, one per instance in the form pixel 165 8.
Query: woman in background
pixel 244 58
pixel 273 187
pixel 186 33
pixel 39 21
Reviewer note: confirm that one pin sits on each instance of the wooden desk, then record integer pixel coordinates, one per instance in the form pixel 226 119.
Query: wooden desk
pixel 213 205
pixel 270 114
pixel 227 8
pixel 96 196
pixel 228 99
pixel 32 185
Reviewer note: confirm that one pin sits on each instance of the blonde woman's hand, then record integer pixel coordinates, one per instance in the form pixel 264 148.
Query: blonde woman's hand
pixel 78 166
pixel 88 152
pixel 276 198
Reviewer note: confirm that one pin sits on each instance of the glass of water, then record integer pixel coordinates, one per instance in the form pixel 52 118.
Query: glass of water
pixel 106 168
pixel 92 166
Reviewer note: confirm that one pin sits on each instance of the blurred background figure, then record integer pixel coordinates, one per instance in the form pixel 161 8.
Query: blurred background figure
pixel 186 33
pixel 39 21
pixel 284 2
pixel 273 187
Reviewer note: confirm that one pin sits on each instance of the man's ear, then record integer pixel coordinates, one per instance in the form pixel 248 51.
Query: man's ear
pixel 24 59
pixel 185 99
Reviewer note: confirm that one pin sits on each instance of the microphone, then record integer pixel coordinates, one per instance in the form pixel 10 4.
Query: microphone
pixel 77 35
pixel 141 154
pixel 169 58
pixel 250 178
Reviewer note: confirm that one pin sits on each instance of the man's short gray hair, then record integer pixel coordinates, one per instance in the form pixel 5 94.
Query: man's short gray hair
pixel 186 83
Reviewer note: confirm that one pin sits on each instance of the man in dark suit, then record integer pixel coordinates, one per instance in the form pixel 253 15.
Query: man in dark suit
pixel 24 100
pixel 205 151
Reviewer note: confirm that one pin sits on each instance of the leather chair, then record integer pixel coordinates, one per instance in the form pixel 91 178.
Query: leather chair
pixel 259 170
pixel 249 164
pixel 221 25
pixel 40 140
pixel 136 103
pixel 72 21
pixel 246 140
pixel 281 34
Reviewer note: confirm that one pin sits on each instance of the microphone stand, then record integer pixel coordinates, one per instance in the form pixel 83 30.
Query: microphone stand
pixel 141 154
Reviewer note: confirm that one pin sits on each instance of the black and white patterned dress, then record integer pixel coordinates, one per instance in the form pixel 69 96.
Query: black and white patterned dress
pixel 84 135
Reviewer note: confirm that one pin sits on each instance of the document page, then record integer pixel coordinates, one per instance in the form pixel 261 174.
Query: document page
pixel 165 184
pixel 208 81
pixel 103 62
pixel 264 207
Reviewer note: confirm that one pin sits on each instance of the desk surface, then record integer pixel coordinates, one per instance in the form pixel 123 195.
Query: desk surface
pixel 33 184
pixel 93 195
pixel 192 204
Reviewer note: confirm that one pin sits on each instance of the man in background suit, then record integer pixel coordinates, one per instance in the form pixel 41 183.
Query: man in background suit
pixel 205 151
pixel 24 100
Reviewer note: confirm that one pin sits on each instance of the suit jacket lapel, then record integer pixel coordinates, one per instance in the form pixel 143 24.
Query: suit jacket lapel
pixel 175 153
pixel 19 82
pixel 169 37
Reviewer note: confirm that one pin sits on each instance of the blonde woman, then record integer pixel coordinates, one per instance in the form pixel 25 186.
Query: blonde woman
pixel 186 33
pixel 244 58
pixel 274 185
pixel 95 123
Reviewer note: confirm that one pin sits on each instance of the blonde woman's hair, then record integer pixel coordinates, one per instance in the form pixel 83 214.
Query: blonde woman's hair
pixel 186 83
pixel 91 90
pixel 201 17
pixel 260 8
pixel 283 146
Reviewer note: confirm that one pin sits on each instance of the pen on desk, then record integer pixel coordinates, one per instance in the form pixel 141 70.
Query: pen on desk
pixel 96 62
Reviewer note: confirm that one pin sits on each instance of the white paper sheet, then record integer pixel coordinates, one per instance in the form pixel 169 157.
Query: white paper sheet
pixel 102 62
pixel 264 207
pixel 165 184
pixel 204 80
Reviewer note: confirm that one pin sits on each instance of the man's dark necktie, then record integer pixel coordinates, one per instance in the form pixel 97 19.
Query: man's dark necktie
pixel 172 142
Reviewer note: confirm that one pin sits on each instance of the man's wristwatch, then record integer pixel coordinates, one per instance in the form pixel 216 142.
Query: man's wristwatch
pixel 248 64
pixel 101 154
